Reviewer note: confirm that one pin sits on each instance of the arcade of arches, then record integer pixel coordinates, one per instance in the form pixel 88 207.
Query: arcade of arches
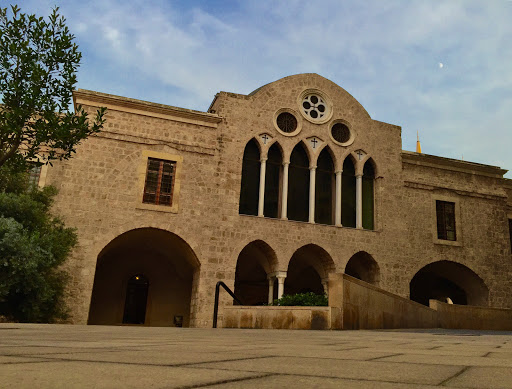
pixel 318 194
pixel 144 276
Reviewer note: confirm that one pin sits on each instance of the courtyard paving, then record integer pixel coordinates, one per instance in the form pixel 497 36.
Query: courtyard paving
pixel 66 356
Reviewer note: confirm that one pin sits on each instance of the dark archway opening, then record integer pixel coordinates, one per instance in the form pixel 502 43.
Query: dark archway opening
pixel 166 267
pixel 324 188
pixel 249 191
pixel 254 263
pixel 307 268
pixel 136 300
pixel 298 185
pixel 445 280
pixel 348 194
pixel 363 267
pixel 273 181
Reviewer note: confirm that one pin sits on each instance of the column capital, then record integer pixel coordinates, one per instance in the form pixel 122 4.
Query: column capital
pixel 339 172
pixel 359 175
pixel 286 163
pixel 277 274
pixel 312 167
pixel 263 159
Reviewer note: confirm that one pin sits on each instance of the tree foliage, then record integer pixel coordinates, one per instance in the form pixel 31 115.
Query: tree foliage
pixel 33 244
pixel 38 64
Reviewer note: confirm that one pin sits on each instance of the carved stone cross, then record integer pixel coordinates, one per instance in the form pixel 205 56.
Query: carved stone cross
pixel 314 141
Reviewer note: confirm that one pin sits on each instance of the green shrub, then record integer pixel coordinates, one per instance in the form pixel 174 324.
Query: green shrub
pixel 303 300
pixel 33 246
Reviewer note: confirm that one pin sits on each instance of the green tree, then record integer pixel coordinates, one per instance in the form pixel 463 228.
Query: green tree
pixel 38 64
pixel 33 246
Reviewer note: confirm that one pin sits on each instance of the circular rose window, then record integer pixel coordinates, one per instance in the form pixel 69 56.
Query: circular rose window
pixel 341 133
pixel 286 122
pixel 315 106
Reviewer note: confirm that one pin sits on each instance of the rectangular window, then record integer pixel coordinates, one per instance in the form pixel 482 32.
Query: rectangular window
pixel 445 211
pixel 159 185
pixel 33 175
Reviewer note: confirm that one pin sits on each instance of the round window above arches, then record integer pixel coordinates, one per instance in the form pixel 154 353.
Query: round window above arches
pixel 315 106
pixel 341 133
pixel 285 121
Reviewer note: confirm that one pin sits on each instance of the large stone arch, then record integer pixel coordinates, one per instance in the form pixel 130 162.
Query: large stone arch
pixel 363 267
pixel 165 260
pixel 255 263
pixel 308 270
pixel 448 281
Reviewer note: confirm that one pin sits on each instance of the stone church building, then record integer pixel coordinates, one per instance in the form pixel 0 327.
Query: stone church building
pixel 270 192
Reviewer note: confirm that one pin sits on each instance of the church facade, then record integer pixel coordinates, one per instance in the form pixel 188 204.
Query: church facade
pixel 270 192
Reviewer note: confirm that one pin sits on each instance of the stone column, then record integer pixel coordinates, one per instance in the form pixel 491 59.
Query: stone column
pixel 337 210
pixel 280 286
pixel 359 201
pixel 261 201
pixel 284 192
pixel 270 289
pixel 312 182
pixel 325 284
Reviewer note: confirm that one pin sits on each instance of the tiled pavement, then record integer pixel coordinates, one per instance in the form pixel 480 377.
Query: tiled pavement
pixel 65 356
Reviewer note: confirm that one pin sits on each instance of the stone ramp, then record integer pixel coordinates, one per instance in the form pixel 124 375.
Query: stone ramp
pixel 355 304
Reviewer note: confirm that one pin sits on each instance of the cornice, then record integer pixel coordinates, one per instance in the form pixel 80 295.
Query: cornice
pixel 455 165
pixel 140 107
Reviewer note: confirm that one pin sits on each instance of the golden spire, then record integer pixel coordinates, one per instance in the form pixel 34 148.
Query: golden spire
pixel 418 145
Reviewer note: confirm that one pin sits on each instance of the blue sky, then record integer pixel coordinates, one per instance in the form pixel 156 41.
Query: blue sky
pixel 443 68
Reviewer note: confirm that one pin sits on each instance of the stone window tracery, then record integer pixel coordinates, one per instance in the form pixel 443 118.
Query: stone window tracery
pixel 286 122
pixel 314 106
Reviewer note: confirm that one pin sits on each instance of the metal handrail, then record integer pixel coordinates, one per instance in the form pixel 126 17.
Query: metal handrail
pixel 216 306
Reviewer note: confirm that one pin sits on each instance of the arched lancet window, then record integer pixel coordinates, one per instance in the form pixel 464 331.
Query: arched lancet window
pixel 136 300
pixel 324 188
pixel 298 185
pixel 249 190
pixel 348 194
pixel 368 195
pixel 272 181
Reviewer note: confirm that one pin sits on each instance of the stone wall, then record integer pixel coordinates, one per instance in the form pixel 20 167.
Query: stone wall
pixel 472 318
pixel 291 318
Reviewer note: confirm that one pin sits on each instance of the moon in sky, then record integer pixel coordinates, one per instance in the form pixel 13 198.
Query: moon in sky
pixel 441 65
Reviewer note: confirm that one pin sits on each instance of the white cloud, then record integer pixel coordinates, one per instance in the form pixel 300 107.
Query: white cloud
pixel 381 52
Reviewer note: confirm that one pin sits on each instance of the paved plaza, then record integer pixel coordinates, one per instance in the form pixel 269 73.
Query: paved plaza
pixel 66 356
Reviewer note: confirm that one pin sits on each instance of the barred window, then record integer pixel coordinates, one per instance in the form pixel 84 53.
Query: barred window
pixel 445 211
pixel 159 185
pixel 33 175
